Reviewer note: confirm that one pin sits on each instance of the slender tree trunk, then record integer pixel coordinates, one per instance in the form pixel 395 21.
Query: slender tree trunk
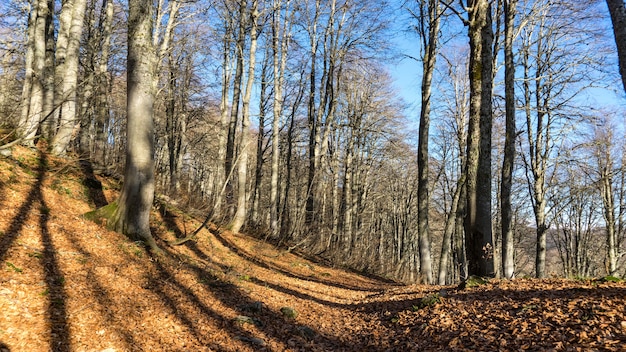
pixel 260 144
pixel 448 232
pixel 172 126
pixel 310 216
pixel 508 251
pixel 222 173
pixel 279 56
pixel 48 122
pixel 429 40
pixel 102 108
pixel 240 215
pixel 29 71
pixel 234 113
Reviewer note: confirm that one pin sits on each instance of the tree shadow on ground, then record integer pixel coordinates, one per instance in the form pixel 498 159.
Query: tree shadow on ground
pixel 17 224
pixel 93 185
pixel 272 325
pixel 57 311
pixel 267 265
pixel 55 281
pixel 104 298
pixel 169 218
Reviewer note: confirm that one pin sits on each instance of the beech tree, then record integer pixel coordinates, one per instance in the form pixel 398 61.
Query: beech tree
pixel 35 82
pixel 617 9
pixel 68 46
pixel 508 251
pixel 478 236
pixel 428 19
pixel 132 211
pixel 132 214
pixel 241 213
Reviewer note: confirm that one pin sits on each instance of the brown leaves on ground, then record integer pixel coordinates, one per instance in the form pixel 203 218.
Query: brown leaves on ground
pixel 67 284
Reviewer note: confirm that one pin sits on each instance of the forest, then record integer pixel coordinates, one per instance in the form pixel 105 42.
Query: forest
pixel 284 119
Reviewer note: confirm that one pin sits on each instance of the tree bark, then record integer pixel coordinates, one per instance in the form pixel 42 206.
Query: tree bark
pixel 242 169
pixel 222 174
pixel 508 251
pixel 29 123
pixel 69 74
pixel 279 56
pixel 430 18
pixel 23 128
pixel 617 9
pixel 229 163
pixel 135 202
pixel 48 123
pixel 478 236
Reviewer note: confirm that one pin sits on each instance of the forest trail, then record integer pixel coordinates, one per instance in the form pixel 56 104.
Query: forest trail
pixel 67 284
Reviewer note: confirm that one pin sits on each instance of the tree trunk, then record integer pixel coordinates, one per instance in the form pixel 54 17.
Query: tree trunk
pixel 48 122
pixel 242 170
pixel 260 145
pixel 222 174
pixel 429 40
pixel 229 163
pixel 310 216
pixel 279 56
pixel 617 8
pixel 478 236
pixel 448 232
pixel 135 202
pixel 30 121
pixel 23 128
pixel 508 251
pixel 67 119
pixel 102 79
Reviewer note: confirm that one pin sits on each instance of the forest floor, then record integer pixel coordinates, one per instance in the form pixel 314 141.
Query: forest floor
pixel 67 284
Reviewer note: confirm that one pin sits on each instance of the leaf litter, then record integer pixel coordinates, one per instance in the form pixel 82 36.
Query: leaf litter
pixel 67 284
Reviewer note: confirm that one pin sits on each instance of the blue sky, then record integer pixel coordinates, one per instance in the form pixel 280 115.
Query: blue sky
pixel 407 72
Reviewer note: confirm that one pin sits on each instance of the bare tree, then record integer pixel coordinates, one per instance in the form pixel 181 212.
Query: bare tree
pixel 135 202
pixel 67 72
pixel 508 250
pixel 428 20
pixel 33 91
pixel 240 215
pixel 132 214
pixel 478 236
pixel 280 43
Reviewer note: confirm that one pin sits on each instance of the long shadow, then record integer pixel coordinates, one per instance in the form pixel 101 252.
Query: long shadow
pixel 245 255
pixel 94 186
pixel 13 231
pixel 262 283
pixel 55 282
pixel 57 310
pixel 270 323
pixel 104 298
pixel 168 218
pixel 173 303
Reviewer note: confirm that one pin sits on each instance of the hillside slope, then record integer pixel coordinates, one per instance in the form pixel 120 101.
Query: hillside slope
pixel 67 284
